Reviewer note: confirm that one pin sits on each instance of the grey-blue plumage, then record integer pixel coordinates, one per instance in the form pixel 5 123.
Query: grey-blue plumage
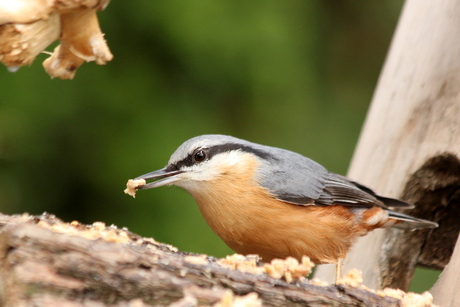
pixel 296 179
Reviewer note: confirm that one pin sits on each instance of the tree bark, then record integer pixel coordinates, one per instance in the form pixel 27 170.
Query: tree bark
pixel 445 291
pixel 410 144
pixel 45 262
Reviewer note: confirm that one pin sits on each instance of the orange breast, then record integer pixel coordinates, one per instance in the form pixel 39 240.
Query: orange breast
pixel 250 221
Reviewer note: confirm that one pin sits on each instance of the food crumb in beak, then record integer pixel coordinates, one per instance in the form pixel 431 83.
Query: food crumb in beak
pixel 131 186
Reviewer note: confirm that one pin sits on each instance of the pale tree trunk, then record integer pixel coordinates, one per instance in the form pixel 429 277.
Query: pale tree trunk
pixel 446 290
pixel 409 148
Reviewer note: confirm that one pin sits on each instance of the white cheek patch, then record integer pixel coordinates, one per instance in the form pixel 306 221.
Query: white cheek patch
pixel 228 159
pixel 212 169
pixel 189 185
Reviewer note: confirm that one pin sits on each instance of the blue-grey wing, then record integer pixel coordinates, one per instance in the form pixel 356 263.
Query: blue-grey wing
pixel 293 178
pixel 299 180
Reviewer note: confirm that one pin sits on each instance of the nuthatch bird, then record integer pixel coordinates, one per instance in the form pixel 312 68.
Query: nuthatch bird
pixel 276 203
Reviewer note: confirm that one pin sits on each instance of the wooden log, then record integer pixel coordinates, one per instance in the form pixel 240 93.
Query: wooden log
pixel 410 144
pixel 45 262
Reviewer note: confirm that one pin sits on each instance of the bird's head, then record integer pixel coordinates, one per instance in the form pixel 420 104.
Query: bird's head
pixel 206 159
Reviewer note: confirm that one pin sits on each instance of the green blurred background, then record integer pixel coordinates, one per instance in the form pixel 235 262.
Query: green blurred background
pixel 293 74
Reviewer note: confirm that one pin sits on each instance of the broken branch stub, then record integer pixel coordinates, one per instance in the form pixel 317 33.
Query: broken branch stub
pixel 27 27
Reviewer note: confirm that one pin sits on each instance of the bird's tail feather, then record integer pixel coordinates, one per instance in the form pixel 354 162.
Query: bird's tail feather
pixel 409 222
pixel 394 203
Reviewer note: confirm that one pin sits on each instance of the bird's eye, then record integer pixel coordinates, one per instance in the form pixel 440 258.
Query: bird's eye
pixel 200 155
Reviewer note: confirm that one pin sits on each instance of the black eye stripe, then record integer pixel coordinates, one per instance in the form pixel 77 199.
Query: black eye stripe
pixel 214 150
pixel 172 167
pixel 185 162
pixel 191 160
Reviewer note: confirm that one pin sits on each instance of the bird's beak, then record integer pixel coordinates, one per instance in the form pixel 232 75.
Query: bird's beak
pixel 166 178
